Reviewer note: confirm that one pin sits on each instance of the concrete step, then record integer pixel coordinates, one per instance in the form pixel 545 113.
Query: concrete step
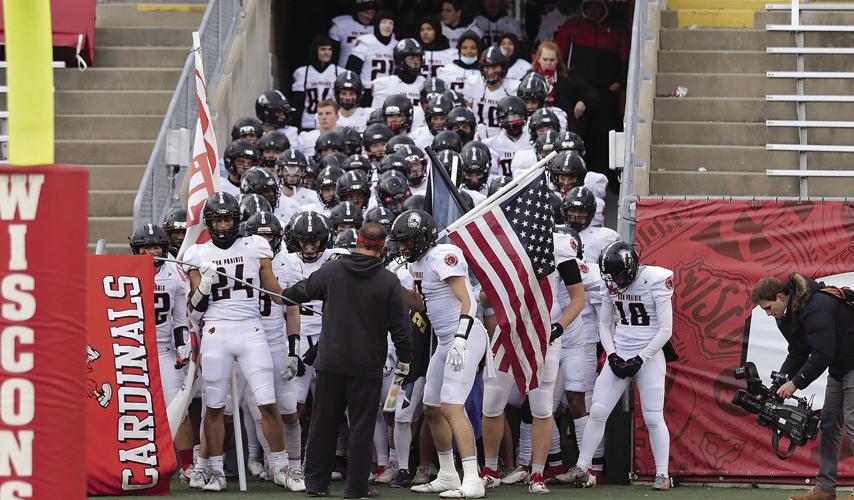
pixel 144 37
pixel 117 79
pixel 113 229
pixel 746 85
pixel 711 157
pixel 125 177
pixel 755 109
pixel 140 57
pixel 744 18
pixel 716 4
pixel 112 248
pixel 720 184
pixel 103 152
pixel 131 102
pixel 722 39
pixel 108 126
pixel 111 202
pixel 148 15
pixel 807 17
pixel 723 61
pixel 743 134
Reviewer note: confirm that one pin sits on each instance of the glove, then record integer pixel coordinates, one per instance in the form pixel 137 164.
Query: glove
pixel 388 367
pixel 208 271
pixel 295 368
pixel 631 366
pixel 400 372
pixel 617 365
pixel 557 331
pixel 311 354
pixel 457 354
pixel 183 356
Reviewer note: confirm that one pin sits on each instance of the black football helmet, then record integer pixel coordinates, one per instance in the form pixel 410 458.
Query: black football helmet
pixel 533 89
pixel 175 225
pixel 414 202
pixel 476 167
pixel 305 228
pixel 545 143
pixel 431 88
pixel 375 116
pixel 490 57
pixel 400 107
pixel 436 112
pixel 313 168
pixel 326 186
pixel 272 107
pixel 462 121
pixel 267 225
pixel 619 264
pixel 270 146
pixel 452 162
pixel 498 183
pixel 240 148
pixel 480 146
pixel 394 162
pixel 354 187
pixel 378 133
pixel 447 139
pixel 352 141
pixel 579 207
pixel 327 143
pixel 511 115
pixel 347 240
pixel 291 166
pixel 150 235
pixel 567 171
pixel 416 160
pixel 218 206
pixel 405 48
pixel 557 208
pixel 415 232
pixel 259 181
pixel 251 204
pixel 570 141
pixel 381 216
pixel 456 97
pixel 345 214
pixel 542 117
pixel 397 142
pixel 359 163
pixel 245 127
pixel 348 80
pixel 393 191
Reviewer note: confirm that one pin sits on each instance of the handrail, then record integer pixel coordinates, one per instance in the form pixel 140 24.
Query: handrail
pixel 216 31
pixel 630 120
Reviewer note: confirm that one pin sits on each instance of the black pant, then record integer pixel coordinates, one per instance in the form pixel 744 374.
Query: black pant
pixel 333 394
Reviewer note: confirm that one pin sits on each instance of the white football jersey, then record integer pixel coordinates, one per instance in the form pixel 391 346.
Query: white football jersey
pixel 599 216
pixel 597 183
pixel 565 250
pixel 429 272
pixel 551 22
pixel 422 136
pixel 503 148
pixel 476 196
pixel 455 77
pixel 519 69
pixel 304 196
pixel 453 34
pixel 561 116
pixel 492 31
pixel 358 120
pixel 292 134
pixel 345 30
pixel 317 87
pixel 593 286
pixel 291 269
pixel 286 208
pixel 170 304
pixel 484 101
pixel 634 311
pixel 377 58
pixel 392 85
pixel 272 314
pixel 436 59
pixel 230 300
pixel 523 160
pixel 594 240
pixel 306 142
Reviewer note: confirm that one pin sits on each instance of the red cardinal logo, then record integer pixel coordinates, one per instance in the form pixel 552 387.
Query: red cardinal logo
pixel 451 260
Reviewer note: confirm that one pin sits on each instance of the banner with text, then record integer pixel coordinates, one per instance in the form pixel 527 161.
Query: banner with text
pixel 130 446
pixel 43 234
pixel 717 251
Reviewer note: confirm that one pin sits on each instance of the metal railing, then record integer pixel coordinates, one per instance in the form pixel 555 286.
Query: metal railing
pixel 157 193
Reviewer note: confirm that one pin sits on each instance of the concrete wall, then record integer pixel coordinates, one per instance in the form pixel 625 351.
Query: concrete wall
pixel 646 97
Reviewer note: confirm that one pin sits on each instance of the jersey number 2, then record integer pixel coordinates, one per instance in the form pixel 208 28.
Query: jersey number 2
pixel 161 307
pixel 637 314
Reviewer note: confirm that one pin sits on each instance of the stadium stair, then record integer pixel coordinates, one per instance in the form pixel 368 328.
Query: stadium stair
pixel 108 117
pixel 713 141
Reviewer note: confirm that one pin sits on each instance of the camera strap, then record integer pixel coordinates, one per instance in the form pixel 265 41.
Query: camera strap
pixel 775 443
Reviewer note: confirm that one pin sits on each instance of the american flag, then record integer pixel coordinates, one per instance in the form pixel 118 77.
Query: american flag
pixel 204 170
pixel 511 251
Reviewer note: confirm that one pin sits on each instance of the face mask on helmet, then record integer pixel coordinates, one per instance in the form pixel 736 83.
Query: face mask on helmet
pixel 348 99
pixel 514 125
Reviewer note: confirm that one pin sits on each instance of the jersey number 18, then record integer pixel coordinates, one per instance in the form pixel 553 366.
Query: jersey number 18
pixel 637 314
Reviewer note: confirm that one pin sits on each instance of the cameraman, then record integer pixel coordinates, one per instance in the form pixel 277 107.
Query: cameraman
pixel 819 329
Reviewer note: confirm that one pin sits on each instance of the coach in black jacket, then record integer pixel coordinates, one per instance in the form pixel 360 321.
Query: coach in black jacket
pixel 820 331
pixel 362 302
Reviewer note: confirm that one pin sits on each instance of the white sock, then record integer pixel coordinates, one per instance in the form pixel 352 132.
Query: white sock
pixel 446 462
pixel 215 464
pixel 252 442
pixel 580 423
pixel 659 440
pixel 593 432
pixel 293 442
pixel 535 468
pixel 491 463
pixel 278 460
pixel 392 456
pixel 196 449
pixel 403 442
pixel 555 446
pixel 203 464
pixel 470 469
pixel 381 440
pixel 524 457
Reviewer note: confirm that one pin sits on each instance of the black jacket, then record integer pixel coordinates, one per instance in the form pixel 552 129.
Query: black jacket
pixel 820 331
pixel 362 302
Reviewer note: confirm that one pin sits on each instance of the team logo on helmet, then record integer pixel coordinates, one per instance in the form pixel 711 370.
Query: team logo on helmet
pixel 451 260
pixel 414 220
pixel 392 110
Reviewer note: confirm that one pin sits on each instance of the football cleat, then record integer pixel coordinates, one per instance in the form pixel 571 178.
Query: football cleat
pixel 579 477
pixel 538 484
pixel 255 467
pixel 516 476
pixel 422 476
pixel 387 475
pixel 216 481
pixel 442 483
pixel 402 480
pixel 662 483
pixel 490 478
pixel 468 489
pixel 198 477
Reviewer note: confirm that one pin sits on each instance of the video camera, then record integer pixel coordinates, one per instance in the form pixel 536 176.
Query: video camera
pixel 798 423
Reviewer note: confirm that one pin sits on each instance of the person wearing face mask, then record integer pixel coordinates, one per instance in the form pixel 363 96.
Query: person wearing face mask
pixel 495 22
pixel 346 29
pixel 406 80
pixel 554 19
pixel 437 50
pixel 513 137
pixel 455 73
pixel 455 22
pixel 484 91
pixel 313 83
pixel 512 49
pixel 373 55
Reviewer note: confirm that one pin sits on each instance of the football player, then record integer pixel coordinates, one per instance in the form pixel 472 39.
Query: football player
pixel 314 82
pixel 461 120
pixel 248 128
pixel 540 123
pixel 373 55
pixel 435 114
pixel 238 157
pixel 327 122
pixel 416 158
pixel 292 167
pixel 393 190
pixel 348 91
pixel 355 188
pixel 374 140
pixel 534 90
pixel 476 165
pixel 274 111
pixel 579 206
pixel 346 29
pixel 175 225
pixel 325 186
pixel 343 217
pixel 441 287
pixel 636 321
pixel 487 89
pixel 397 114
pixel 512 139
pixel 261 182
pixel 456 73
pixel 233 331
pixel 269 147
pixel 406 79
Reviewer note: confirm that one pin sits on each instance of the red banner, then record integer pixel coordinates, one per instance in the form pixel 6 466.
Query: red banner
pixel 717 250
pixel 43 285
pixel 130 446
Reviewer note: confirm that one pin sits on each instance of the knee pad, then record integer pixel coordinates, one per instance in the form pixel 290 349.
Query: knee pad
pixel 599 412
pixel 653 419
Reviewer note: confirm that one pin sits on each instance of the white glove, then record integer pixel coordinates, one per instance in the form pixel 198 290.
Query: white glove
pixel 208 270
pixel 390 363
pixel 457 354
pixel 291 369
pixel 183 356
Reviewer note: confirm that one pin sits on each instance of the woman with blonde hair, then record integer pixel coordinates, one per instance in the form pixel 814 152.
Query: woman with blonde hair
pixel 565 90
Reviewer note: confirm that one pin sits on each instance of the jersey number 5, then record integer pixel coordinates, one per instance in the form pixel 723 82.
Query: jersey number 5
pixel 637 314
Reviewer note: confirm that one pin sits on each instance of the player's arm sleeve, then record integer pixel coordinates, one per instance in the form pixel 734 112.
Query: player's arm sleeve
pixel 357 57
pixel 662 294
pixel 299 80
pixel 179 310
pixel 569 272
pixel 399 324
pixel 378 94
pixel 606 325
pixel 820 329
